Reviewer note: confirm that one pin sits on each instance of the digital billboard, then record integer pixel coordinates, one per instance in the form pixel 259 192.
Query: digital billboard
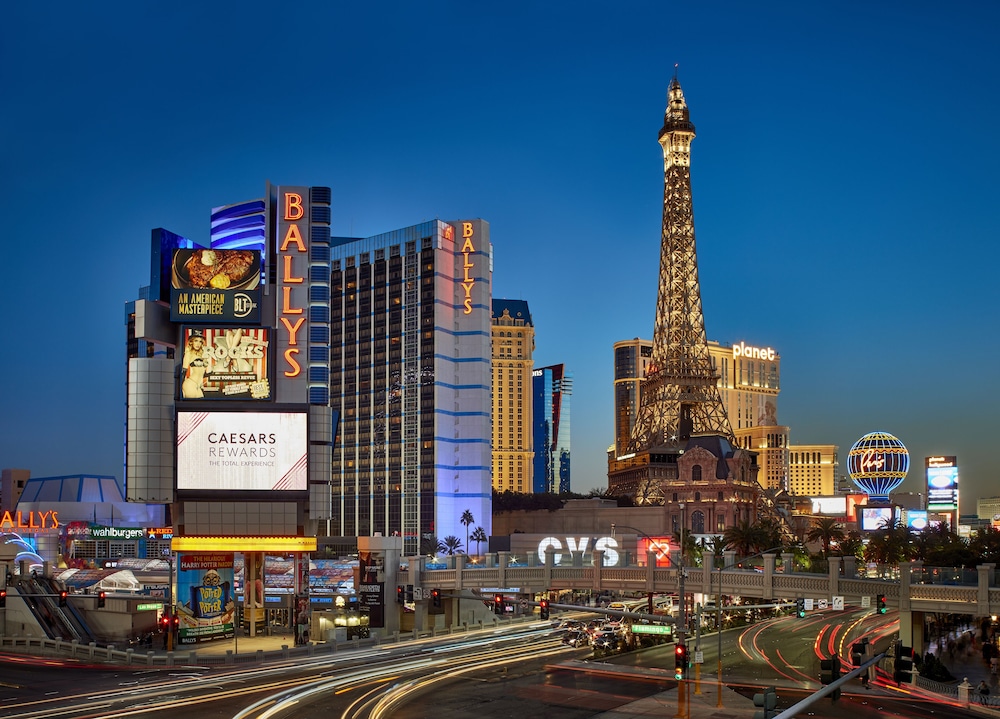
pixel 242 451
pixel 873 518
pixel 836 506
pixel 226 363
pixel 916 519
pixel 942 483
pixel 215 286
pixel 205 597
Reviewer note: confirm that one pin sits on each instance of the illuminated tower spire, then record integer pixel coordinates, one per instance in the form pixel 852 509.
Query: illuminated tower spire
pixel 680 396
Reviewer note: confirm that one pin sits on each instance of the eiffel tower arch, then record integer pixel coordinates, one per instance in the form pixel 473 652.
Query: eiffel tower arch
pixel 680 407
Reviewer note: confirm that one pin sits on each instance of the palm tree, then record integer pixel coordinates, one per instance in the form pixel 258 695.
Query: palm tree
pixel 478 535
pixel 431 545
pixel 826 530
pixel 467 519
pixel 745 538
pixel 452 543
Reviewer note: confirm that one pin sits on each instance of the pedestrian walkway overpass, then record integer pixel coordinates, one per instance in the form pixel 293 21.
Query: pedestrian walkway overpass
pixel 911 588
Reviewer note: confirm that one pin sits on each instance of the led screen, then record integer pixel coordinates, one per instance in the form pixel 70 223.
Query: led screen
pixel 225 363
pixel 241 451
pixel 830 505
pixel 916 519
pixel 942 488
pixel 873 518
pixel 215 286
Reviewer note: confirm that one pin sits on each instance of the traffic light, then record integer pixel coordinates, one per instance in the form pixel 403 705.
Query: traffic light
pixel 409 593
pixel 498 604
pixel 62 598
pixel 800 608
pixel 903 666
pixel 766 704
pixel 880 601
pixel 830 672
pixel 176 623
pixel 101 597
pixel 543 609
pixel 165 622
pixel 857 654
pixel 400 595
pixel 680 661
pixel 436 598
pixel 3 597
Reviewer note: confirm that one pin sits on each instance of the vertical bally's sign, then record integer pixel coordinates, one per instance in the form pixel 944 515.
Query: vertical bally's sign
pixel 468 248
pixel 291 321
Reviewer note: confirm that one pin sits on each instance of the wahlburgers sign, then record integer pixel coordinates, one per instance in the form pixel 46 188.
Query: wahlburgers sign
pixel 117 532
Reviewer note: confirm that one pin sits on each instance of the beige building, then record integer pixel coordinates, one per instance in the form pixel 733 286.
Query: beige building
pixel 749 382
pixel 513 338
pixel 813 469
pixel 988 507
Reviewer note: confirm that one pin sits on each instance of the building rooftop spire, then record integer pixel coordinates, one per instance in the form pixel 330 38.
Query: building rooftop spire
pixel 676 117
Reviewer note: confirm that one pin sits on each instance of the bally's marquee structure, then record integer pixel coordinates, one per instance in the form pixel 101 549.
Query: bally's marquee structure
pixel 247 352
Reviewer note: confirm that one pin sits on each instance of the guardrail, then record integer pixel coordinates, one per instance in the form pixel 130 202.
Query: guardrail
pixel 129 657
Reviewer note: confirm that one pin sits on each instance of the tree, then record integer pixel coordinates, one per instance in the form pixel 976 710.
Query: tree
pixel 985 543
pixel 478 535
pixel 466 520
pixel 826 530
pixel 452 544
pixel 431 545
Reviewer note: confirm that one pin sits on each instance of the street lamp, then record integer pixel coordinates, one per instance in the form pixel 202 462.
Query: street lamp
pixel 718 609
pixel 650 552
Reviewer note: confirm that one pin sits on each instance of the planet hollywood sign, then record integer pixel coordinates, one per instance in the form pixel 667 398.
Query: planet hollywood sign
pixel 745 350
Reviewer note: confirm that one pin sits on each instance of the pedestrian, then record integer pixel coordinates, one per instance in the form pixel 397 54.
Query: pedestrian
pixel 984 688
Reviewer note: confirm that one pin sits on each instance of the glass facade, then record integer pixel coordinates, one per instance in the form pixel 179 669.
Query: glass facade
pixel 552 388
pixel 409 372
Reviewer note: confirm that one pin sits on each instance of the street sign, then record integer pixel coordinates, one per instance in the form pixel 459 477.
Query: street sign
pixel 866 602
pixel 838 604
pixel 821 604
pixel 699 657
pixel 524 604
pixel 809 604
pixel 650 629
pixel 418 594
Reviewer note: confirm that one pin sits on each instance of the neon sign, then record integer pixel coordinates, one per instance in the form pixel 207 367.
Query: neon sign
pixel 29 520
pixel 292 253
pixel 467 264
pixel 608 545
pixel 745 350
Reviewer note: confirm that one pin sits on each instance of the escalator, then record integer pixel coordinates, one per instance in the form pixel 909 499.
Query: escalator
pixel 40 595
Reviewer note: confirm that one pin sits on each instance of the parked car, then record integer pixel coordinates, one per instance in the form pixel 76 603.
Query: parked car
pixel 575 639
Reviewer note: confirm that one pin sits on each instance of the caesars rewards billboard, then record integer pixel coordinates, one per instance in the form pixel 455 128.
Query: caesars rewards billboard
pixel 242 451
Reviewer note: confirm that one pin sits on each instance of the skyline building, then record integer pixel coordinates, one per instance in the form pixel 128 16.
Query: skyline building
pixel 749 381
pixel 813 470
pixel 410 374
pixel 513 344
pixel 552 388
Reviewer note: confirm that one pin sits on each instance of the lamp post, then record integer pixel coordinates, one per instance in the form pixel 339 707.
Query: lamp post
pixel 718 610
pixel 649 550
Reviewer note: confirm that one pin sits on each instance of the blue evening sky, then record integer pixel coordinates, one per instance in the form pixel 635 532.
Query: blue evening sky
pixel 843 177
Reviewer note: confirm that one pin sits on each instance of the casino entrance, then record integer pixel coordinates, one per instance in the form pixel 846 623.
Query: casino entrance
pixel 279 620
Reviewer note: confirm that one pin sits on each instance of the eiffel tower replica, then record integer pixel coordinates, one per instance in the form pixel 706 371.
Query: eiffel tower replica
pixel 680 407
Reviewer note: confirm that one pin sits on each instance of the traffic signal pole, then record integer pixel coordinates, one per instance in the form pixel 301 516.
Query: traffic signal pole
pixel 800 707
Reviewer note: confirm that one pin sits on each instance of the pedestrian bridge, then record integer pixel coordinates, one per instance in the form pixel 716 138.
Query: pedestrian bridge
pixel 910 588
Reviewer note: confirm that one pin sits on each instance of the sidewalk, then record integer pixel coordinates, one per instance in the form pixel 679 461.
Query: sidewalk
pixel 966 663
pixel 703 705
